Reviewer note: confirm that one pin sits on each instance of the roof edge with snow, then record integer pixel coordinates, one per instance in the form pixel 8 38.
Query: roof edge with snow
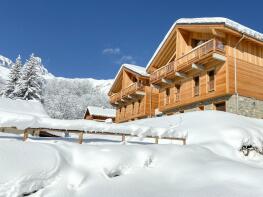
pixel 101 111
pixel 207 21
pixel 133 68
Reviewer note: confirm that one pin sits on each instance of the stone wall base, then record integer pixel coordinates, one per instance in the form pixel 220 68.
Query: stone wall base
pixel 250 107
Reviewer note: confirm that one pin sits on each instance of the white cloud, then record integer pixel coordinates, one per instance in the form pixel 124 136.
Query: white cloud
pixel 126 59
pixel 111 51
pixel 118 56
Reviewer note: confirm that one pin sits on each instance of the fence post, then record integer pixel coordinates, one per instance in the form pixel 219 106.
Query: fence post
pixel 81 137
pixel 25 135
pixel 122 137
pixel 156 140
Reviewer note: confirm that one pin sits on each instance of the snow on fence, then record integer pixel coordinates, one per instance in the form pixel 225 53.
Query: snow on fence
pixel 36 131
pixel 31 122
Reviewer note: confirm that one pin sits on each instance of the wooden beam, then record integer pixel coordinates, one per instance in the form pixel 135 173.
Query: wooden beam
pixel 180 74
pixel 156 86
pixel 167 81
pixel 198 67
pixel 219 57
pixel 218 33
pixel 130 97
pixel 140 93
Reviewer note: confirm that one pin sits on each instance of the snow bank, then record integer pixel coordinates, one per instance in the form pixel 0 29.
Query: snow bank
pixel 60 168
pixel 26 167
pixel 33 108
pixel 209 165
pixel 206 127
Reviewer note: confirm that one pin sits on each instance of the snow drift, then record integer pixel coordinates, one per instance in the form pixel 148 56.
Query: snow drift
pixel 209 165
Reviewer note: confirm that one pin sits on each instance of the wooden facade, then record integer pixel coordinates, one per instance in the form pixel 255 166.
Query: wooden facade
pixel 195 64
pixel 132 95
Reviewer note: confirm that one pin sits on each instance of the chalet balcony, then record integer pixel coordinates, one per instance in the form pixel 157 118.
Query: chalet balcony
pixel 212 49
pixel 128 93
pixel 165 72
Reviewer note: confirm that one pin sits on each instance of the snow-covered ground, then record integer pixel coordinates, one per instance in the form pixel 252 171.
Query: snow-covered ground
pixel 209 165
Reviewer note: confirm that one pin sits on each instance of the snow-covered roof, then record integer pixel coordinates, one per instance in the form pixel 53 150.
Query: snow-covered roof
pixel 134 68
pixel 101 111
pixel 210 20
pixel 137 69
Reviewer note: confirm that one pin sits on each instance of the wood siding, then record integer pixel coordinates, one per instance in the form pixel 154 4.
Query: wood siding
pixel 249 68
pixel 186 95
pixel 142 107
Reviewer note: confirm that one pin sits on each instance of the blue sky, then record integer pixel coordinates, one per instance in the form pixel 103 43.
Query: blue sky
pixel 92 38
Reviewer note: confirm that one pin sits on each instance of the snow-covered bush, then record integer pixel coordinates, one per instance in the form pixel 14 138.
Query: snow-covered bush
pixel 69 98
pixel 247 146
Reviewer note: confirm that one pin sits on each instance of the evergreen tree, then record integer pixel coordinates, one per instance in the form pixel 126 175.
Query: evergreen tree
pixel 14 76
pixel 29 85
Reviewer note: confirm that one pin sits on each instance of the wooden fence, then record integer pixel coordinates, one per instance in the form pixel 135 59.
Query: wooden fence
pixel 36 131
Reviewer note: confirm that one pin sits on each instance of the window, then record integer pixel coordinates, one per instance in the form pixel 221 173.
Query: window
pixel 196 85
pixel 134 79
pixel 196 43
pixel 211 81
pixel 133 112
pixel 139 106
pixel 220 106
pixel 124 111
pixel 177 92
pixel 201 108
pixel 167 99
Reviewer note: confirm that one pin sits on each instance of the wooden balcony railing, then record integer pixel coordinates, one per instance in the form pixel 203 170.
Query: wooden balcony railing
pixel 211 86
pixel 184 63
pixel 115 97
pixel 196 91
pixel 132 89
pixel 198 53
pixel 127 91
pixel 163 72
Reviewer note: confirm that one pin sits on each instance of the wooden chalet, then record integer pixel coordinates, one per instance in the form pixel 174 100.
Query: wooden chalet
pixel 209 63
pixel 201 64
pixel 132 95
pixel 99 114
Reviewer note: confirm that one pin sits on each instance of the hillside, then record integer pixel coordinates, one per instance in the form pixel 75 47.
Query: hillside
pixel 65 98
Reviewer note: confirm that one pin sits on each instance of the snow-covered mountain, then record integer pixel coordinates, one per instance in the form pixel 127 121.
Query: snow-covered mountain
pixel 5 62
pixel 79 92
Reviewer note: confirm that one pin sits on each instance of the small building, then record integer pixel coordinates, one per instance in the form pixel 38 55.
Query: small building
pixel 99 114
